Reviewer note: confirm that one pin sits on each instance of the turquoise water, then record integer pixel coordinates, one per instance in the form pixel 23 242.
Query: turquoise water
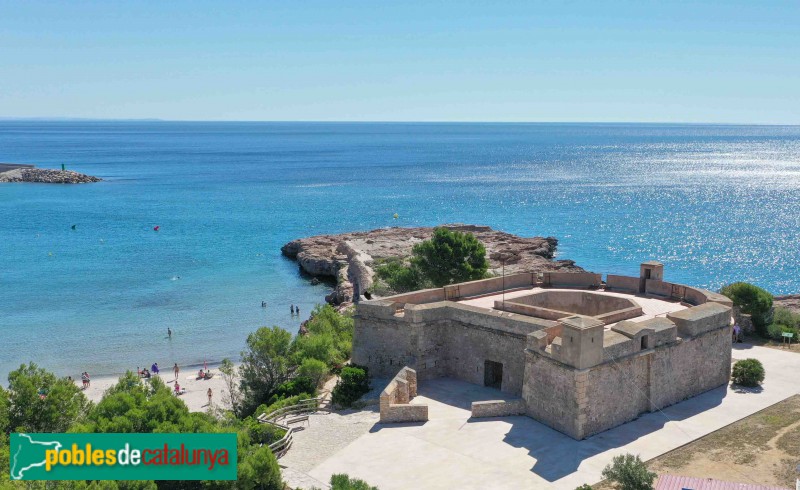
pixel 714 203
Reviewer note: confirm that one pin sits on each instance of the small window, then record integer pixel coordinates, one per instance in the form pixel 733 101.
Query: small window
pixel 645 342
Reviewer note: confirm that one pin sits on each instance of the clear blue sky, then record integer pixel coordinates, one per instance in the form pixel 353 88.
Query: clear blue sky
pixel 661 61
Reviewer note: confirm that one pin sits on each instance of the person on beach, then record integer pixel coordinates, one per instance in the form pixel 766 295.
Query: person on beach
pixel 169 333
pixel 177 388
pixel 736 331
pixel 209 393
pixel 83 379
pixel 88 380
pixel 154 368
pixel 176 370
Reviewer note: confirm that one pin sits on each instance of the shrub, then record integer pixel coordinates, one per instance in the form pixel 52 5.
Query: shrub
pixel 749 372
pixel 329 338
pixel 630 473
pixel 263 433
pixel 398 276
pixel 775 331
pixel 315 370
pixel 319 346
pixel 354 382
pixel 344 482
pixel 296 386
pixel 786 317
pixel 292 400
pixel 259 469
pixel 585 486
pixel 752 300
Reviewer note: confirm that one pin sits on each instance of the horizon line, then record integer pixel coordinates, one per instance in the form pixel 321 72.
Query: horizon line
pixel 376 121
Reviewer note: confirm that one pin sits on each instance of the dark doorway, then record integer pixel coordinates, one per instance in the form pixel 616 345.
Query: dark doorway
pixel 493 374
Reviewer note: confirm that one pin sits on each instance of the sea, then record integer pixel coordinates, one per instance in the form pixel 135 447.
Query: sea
pixel 87 284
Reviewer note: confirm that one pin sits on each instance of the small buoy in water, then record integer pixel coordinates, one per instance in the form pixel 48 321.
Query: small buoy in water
pixel 49 254
pixel 155 228
pixel 73 226
pixel 396 215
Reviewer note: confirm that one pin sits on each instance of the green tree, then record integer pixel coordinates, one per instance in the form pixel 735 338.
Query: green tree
pixel 265 365
pixel 40 402
pixel 315 370
pixel 450 257
pixel 259 470
pixel 753 300
pixel 748 372
pixel 344 482
pixel 234 393
pixel 629 472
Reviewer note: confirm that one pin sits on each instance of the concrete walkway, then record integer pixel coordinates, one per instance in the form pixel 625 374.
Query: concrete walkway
pixel 453 451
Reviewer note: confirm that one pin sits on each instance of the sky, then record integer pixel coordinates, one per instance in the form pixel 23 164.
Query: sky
pixel 556 61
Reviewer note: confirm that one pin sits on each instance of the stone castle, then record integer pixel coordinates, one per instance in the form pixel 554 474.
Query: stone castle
pixel 581 355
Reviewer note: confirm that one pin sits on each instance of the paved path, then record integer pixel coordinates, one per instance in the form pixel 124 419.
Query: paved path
pixel 452 451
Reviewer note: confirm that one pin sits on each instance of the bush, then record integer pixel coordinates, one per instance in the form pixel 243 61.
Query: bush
pixel 263 433
pixel 752 300
pixel 398 276
pixel 344 482
pixel 315 370
pixel 785 317
pixel 630 473
pixel 329 338
pixel 297 386
pixel 585 486
pixel 353 384
pixel 259 469
pixel 775 331
pixel 292 400
pixel 749 372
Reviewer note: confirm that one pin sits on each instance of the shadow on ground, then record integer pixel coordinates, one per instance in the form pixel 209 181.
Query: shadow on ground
pixel 558 455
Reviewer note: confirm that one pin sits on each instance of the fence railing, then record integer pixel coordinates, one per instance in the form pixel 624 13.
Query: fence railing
pixel 273 418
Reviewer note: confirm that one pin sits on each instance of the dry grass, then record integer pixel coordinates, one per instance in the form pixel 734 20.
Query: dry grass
pixel 763 448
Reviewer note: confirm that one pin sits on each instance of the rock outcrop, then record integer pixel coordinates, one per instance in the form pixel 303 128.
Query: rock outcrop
pixel 46 176
pixel 349 256
pixel 789 301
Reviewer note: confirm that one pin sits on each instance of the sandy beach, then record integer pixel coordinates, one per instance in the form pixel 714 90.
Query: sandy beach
pixel 196 396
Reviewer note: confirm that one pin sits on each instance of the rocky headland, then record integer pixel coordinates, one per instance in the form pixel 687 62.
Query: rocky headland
pixel 349 257
pixel 46 176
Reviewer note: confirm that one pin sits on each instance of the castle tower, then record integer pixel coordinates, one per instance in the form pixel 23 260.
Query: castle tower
pixel 581 341
pixel 650 270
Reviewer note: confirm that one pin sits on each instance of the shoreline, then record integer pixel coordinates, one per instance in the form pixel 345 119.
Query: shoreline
pixel 196 390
